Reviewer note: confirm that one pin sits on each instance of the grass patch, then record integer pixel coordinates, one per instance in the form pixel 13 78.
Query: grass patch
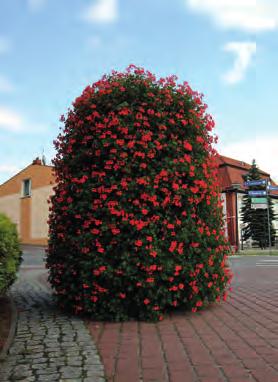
pixel 258 252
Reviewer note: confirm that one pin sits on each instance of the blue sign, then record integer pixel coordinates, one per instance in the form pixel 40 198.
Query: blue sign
pixel 257 193
pixel 260 182
pixel 274 188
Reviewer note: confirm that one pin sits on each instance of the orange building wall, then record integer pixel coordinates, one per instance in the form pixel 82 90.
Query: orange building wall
pixel 25 221
pixel 41 176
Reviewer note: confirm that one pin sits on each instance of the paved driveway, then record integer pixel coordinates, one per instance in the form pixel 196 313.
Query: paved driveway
pixel 48 346
pixel 235 341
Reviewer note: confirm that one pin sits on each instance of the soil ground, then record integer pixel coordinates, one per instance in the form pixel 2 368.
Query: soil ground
pixel 5 320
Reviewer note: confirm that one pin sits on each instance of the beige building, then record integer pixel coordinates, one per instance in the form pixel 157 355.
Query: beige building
pixel 23 198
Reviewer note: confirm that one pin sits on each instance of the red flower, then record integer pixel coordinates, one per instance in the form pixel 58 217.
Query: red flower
pixel 173 246
pixel 194 245
pixel 180 249
pixel 147 137
pixel 120 142
pixel 187 146
pixel 115 231
pixel 153 253
pixel 124 111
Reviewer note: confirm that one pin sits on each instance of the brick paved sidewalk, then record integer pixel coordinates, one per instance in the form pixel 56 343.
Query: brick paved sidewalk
pixel 236 341
pixel 48 345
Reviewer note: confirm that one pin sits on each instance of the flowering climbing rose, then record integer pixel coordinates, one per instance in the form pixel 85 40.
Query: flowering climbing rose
pixel 136 221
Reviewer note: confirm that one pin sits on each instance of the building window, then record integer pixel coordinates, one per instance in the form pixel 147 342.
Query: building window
pixel 26 187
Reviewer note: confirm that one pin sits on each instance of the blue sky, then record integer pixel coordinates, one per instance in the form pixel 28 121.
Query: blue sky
pixel 50 50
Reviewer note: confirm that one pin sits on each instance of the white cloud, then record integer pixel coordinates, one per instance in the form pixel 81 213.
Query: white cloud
pixel 102 11
pixel 5 85
pixel 36 5
pixel 9 169
pixel 247 15
pixel 10 120
pixel 244 52
pixel 5 45
pixel 262 149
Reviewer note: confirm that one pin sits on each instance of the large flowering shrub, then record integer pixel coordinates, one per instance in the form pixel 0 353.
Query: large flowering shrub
pixel 136 222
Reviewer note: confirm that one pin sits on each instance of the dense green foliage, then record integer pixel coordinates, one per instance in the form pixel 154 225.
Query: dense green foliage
pixel 136 221
pixel 10 254
pixel 256 220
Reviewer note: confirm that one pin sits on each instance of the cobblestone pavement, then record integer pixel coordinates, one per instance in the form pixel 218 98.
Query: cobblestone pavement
pixel 236 341
pixel 48 345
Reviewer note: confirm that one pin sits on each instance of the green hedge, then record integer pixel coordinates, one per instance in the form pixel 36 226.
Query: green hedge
pixel 10 253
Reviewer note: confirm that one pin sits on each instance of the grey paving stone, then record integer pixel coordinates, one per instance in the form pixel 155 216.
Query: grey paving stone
pixel 37 357
pixel 48 345
pixel 71 372
pixel 94 373
pixel 46 370
pixel 48 378
pixel 94 369
pixel 39 366
pixel 21 372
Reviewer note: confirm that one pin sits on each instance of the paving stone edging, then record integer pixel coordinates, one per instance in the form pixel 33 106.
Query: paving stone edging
pixel 12 330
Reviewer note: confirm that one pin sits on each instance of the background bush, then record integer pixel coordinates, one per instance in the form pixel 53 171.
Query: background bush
pixel 136 222
pixel 10 254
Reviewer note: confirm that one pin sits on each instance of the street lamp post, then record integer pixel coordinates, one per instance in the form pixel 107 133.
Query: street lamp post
pixel 268 216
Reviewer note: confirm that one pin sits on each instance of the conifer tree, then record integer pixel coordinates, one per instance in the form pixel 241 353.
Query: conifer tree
pixel 256 220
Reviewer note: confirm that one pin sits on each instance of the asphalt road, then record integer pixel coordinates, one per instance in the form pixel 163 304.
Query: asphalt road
pixel 251 270
pixel 255 271
pixel 33 256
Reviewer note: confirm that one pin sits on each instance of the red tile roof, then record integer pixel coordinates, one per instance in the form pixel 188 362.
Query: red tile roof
pixel 232 170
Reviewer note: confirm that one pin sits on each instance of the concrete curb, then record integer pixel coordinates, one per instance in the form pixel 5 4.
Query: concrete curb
pixel 240 256
pixel 11 335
